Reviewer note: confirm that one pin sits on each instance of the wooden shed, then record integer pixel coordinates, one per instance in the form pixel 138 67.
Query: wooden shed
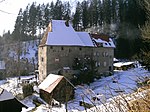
pixel 57 87
pixel 8 103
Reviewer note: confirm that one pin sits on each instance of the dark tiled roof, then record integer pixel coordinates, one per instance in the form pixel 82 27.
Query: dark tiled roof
pixel 100 36
pixel 5 95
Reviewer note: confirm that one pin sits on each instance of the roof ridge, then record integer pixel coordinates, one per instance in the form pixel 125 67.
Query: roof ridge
pixel 59 79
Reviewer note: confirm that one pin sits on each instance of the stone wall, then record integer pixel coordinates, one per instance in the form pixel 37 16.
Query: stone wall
pixel 54 58
pixel 42 62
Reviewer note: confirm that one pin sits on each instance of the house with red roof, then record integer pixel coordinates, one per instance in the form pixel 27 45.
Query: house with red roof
pixel 61 44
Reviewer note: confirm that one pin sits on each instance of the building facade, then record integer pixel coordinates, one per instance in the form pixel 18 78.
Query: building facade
pixel 61 44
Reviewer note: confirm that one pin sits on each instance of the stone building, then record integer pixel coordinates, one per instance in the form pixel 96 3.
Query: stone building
pixel 61 44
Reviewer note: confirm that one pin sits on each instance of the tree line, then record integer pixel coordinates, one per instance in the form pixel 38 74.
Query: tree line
pixel 125 15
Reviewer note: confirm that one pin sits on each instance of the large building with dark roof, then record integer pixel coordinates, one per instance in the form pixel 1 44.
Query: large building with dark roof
pixel 61 44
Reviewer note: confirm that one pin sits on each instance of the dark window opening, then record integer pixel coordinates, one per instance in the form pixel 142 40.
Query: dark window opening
pixel 62 48
pixel 80 48
pixel 110 68
pixel 69 50
pixel 42 59
pixel 51 47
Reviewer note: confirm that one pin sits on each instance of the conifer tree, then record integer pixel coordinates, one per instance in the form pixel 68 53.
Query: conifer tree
pixel 46 15
pixel 25 24
pixel 145 33
pixel 39 19
pixel 67 11
pixel 77 17
pixel 32 20
pixel 85 15
pixel 58 10
pixel 18 27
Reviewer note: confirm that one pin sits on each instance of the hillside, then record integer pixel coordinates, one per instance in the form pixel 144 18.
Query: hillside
pixel 23 55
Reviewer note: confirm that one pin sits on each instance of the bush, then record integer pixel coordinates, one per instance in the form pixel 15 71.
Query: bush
pixel 27 90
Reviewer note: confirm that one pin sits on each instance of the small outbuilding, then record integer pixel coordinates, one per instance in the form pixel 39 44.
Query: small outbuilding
pixel 8 103
pixel 56 87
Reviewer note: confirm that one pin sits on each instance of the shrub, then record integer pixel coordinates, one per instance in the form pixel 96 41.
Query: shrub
pixel 27 90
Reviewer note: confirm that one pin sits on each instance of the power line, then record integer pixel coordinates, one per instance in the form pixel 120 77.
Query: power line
pixel 6 12
pixel 2 1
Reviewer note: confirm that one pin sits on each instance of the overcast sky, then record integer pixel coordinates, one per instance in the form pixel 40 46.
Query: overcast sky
pixel 7 21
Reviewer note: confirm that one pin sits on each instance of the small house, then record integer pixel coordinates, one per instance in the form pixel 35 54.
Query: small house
pixel 8 103
pixel 56 87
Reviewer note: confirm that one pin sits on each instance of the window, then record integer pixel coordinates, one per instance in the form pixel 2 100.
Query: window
pixel 96 64
pixel 62 48
pixel 99 64
pixel 56 59
pixel 106 54
pixel 110 68
pixel 42 59
pixel 97 53
pixel 51 47
pixel 105 64
pixel 80 48
pixel 69 50
pixel 103 54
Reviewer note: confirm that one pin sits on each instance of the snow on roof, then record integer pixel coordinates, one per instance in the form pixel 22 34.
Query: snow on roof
pixel 119 64
pixel 63 35
pixel 85 38
pixel 66 68
pixel 50 82
pixel 114 59
pixel 5 95
pixel 105 43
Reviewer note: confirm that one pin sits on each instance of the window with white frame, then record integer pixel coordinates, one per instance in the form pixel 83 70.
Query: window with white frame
pixel 99 64
pixel 105 64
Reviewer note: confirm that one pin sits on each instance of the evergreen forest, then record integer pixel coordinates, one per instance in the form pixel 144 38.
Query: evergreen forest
pixel 120 19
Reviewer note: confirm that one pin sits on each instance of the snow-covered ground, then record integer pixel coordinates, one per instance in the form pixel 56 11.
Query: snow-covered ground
pixel 29 51
pixel 108 87
pixel 104 89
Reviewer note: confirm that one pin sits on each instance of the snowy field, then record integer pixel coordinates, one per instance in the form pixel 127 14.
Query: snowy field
pixel 122 82
pixel 99 92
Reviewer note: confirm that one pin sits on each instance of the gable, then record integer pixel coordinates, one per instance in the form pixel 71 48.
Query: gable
pixel 50 82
